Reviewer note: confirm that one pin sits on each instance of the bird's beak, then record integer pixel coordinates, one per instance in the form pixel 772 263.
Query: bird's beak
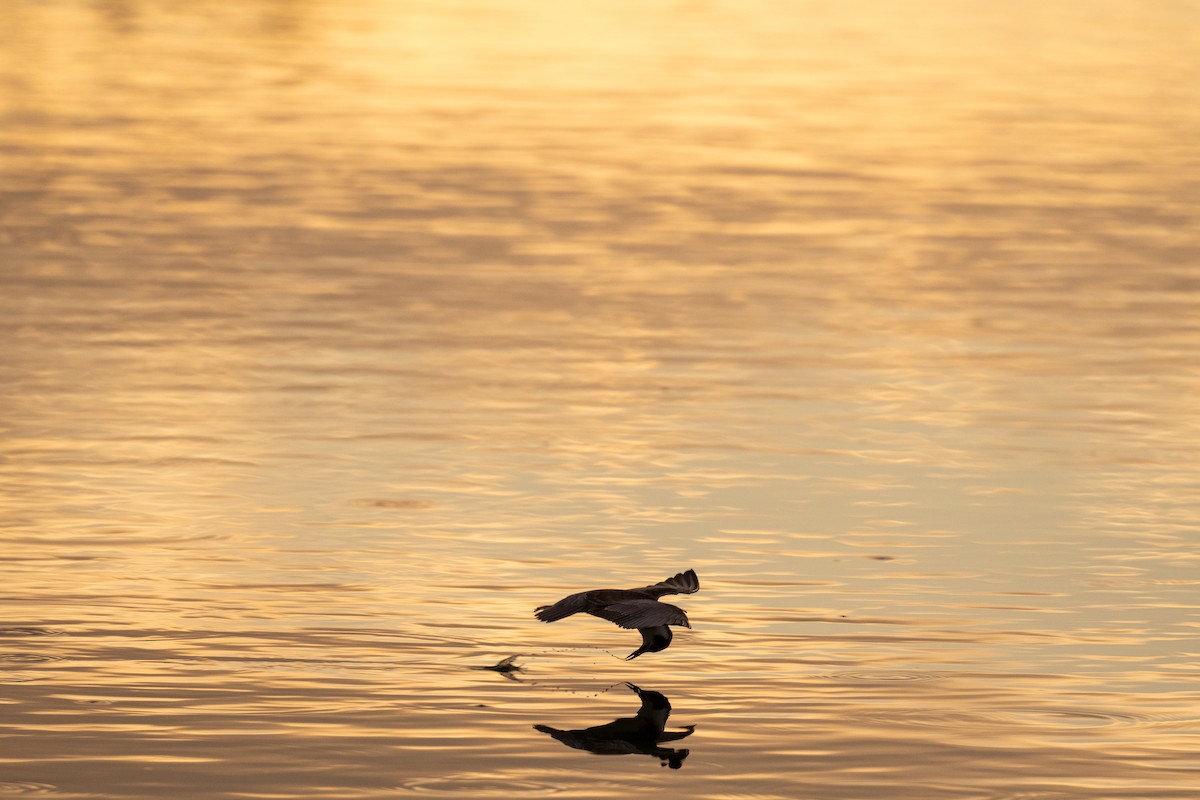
pixel 635 654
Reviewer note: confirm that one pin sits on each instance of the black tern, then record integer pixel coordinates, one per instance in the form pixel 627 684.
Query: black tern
pixel 631 608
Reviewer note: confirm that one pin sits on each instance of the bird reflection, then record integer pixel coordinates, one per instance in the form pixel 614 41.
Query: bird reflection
pixel 641 734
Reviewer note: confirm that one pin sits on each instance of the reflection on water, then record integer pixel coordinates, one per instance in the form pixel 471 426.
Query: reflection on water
pixel 339 336
pixel 508 667
pixel 639 734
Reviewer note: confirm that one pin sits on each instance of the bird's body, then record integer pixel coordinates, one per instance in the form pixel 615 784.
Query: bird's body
pixel 631 608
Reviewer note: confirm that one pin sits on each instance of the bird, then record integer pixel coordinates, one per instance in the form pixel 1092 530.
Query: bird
pixel 631 608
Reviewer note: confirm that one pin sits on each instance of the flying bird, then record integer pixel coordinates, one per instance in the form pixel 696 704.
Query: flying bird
pixel 631 608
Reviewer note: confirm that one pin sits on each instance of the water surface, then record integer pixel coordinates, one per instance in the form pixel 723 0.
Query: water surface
pixel 340 336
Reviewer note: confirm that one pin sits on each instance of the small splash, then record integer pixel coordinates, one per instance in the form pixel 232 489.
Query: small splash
pixel 505 666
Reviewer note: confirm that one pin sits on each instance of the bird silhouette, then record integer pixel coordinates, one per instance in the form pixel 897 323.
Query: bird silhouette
pixel 631 608
pixel 643 733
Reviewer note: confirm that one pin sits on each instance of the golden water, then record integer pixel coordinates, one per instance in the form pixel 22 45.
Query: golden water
pixel 340 335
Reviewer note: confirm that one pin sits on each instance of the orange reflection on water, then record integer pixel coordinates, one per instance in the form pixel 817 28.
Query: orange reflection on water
pixel 339 338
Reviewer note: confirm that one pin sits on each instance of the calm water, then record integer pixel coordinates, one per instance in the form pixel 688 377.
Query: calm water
pixel 339 336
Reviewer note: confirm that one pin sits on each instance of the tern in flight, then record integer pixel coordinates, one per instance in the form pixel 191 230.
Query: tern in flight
pixel 631 608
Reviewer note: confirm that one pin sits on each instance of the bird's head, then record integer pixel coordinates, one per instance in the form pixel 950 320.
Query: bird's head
pixel 652 644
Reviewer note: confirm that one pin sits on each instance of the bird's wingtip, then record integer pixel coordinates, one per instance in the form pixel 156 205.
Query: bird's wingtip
pixel 690 578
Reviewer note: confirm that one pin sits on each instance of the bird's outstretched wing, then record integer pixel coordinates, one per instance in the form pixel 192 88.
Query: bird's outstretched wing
pixel 571 604
pixel 642 614
pixel 683 583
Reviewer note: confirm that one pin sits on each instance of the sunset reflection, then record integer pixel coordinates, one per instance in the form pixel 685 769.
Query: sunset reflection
pixel 340 336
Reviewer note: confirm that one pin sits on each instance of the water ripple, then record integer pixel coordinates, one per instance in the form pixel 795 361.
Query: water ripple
pixel 27 658
pixel 479 786
pixel 30 630
pixel 1054 718
pixel 17 677
pixel 25 787
pixel 1046 720
pixel 887 676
